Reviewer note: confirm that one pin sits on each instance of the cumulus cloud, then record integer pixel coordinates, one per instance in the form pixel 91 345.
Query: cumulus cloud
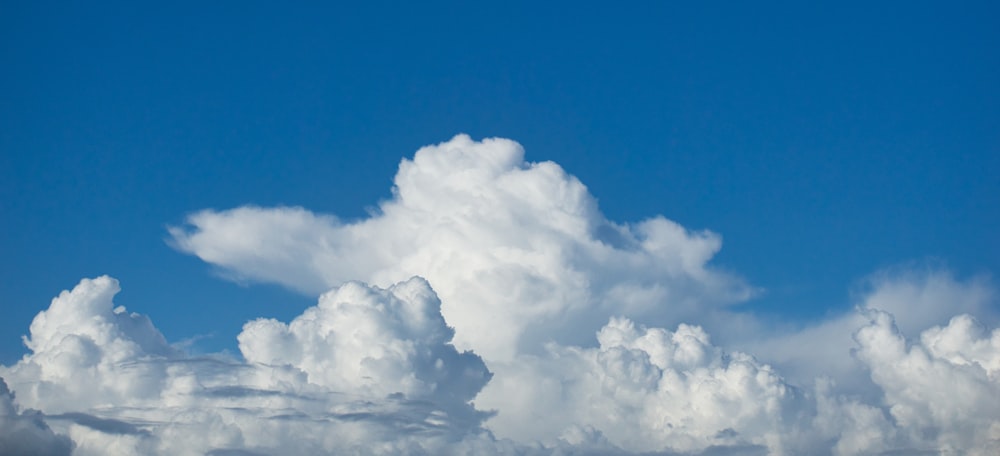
pixel 943 391
pixel 918 297
pixel 365 370
pixel 650 389
pixel 506 242
pixel 25 433
pixel 489 307
pixel 373 342
pixel 644 389
pixel 85 352
pixel 371 370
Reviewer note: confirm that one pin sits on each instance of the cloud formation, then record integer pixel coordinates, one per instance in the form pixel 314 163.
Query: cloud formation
pixel 505 242
pixel 644 389
pixel 944 391
pixel 25 433
pixel 489 307
pixel 918 297
pixel 371 371
pixel 368 369
pixel 371 342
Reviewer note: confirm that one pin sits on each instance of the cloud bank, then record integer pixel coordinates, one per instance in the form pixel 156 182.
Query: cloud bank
pixel 489 307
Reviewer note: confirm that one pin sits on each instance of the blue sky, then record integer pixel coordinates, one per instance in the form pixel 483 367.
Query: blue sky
pixel 823 142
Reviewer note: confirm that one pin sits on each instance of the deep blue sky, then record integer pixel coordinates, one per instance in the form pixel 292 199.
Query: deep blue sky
pixel 823 142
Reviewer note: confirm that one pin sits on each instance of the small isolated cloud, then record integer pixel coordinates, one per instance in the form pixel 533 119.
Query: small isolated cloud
pixel 489 307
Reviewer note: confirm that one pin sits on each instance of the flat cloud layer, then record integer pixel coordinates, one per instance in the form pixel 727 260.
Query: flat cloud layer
pixel 557 331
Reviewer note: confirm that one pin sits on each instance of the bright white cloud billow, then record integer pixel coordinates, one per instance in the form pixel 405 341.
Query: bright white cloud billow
pixel 918 298
pixel 557 331
pixel 372 342
pixel 506 243
pixel 943 392
pixel 644 389
pixel 367 369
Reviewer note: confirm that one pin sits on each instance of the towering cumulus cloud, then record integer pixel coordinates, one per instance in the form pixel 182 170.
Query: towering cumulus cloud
pixel 507 243
pixel 489 307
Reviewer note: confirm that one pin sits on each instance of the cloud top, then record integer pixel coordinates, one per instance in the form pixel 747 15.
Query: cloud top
pixel 372 342
pixel 506 242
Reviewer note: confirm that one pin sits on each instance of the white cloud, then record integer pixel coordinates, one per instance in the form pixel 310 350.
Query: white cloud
pixel 24 433
pixel 371 370
pixel 644 389
pixel 366 370
pixel 507 243
pixel 944 391
pixel 86 353
pixel 372 342
pixel 567 310
pixel 918 297
pixel 362 368
pixel 922 296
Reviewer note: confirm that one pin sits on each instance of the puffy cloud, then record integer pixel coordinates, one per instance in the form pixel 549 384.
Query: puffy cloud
pixel 507 243
pixel 522 246
pixel 24 433
pixel 371 370
pixel 86 352
pixel 373 342
pixel 366 370
pixel 918 298
pixel 567 309
pixel 944 391
pixel 933 393
pixel 644 389
pixel 848 426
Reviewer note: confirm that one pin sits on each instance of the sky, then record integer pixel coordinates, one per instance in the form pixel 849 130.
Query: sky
pixel 570 211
